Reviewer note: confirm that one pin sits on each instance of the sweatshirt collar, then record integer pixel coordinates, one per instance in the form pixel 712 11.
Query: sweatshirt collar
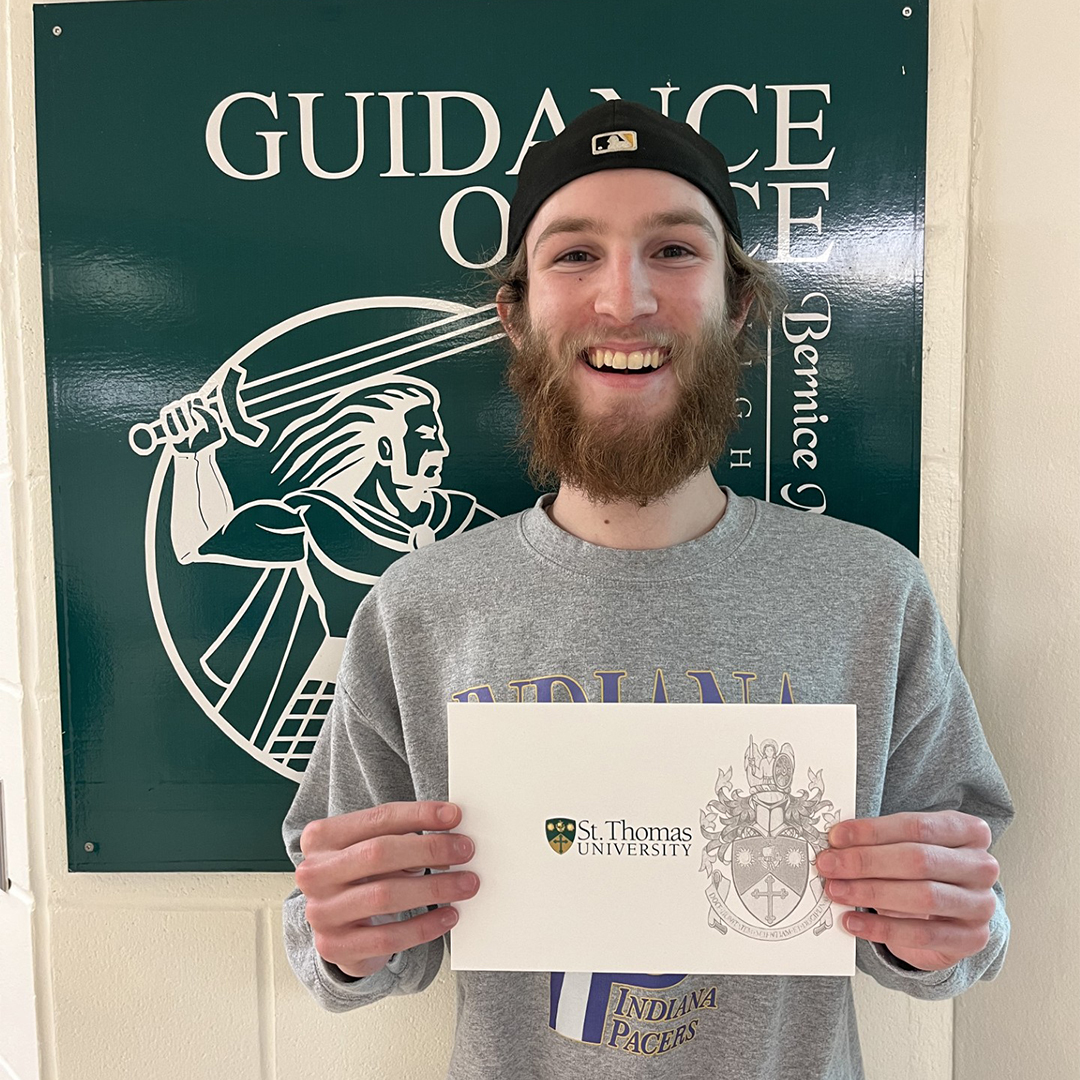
pixel 688 559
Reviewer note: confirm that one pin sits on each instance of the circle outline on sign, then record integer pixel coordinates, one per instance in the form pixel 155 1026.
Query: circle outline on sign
pixel 425 303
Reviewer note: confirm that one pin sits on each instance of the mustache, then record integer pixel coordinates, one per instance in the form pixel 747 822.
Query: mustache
pixel 562 355
pixel 587 338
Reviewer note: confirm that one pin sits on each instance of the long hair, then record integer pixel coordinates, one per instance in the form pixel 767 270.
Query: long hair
pixel 345 430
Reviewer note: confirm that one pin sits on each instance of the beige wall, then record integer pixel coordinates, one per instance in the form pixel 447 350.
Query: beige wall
pixel 1020 590
pixel 154 976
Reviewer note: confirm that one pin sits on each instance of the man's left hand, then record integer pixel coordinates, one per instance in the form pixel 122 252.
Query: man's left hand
pixel 928 877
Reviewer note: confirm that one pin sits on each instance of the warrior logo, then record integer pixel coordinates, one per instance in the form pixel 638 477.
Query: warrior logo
pixel 764 842
pixel 301 469
pixel 560 834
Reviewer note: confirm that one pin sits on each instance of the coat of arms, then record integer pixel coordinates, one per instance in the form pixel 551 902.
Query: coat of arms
pixel 560 833
pixel 761 845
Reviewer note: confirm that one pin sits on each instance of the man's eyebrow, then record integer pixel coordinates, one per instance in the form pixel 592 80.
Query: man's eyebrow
pixel 663 220
pixel 669 218
pixel 567 225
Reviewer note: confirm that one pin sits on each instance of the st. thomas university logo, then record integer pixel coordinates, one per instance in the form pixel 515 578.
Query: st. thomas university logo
pixel 761 845
pixel 285 484
pixel 560 833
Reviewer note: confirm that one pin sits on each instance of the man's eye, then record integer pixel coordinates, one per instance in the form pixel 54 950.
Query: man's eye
pixel 574 256
pixel 674 251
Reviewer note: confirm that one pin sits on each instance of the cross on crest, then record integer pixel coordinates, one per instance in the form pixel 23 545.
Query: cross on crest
pixel 560 834
pixel 769 896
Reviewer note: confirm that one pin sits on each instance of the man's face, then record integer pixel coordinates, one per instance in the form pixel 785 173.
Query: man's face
pixel 625 364
pixel 417 461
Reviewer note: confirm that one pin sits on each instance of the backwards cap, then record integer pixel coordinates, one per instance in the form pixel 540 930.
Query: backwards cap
pixel 620 135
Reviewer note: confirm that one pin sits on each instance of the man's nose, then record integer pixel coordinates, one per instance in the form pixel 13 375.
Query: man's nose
pixel 624 289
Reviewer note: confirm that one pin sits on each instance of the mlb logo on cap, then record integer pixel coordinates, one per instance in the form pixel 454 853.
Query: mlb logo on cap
pixel 618 127
pixel 614 142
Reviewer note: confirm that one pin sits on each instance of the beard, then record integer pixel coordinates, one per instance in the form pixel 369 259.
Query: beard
pixel 624 455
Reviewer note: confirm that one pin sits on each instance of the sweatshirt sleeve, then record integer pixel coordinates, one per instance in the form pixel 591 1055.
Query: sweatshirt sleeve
pixel 356 764
pixel 939 760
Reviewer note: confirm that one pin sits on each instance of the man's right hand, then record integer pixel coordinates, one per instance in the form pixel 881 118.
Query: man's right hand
pixel 370 863
pixel 191 426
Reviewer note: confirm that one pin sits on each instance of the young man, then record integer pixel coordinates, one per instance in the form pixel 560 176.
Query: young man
pixel 625 302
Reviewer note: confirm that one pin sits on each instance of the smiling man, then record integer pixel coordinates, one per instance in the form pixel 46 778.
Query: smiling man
pixel 626 300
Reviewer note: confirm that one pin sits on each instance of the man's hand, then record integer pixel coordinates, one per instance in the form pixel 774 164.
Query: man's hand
pixel 191 426
pixel 928 878
pixel 370 863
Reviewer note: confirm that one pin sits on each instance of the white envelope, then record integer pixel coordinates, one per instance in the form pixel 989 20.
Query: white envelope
pixel 653 838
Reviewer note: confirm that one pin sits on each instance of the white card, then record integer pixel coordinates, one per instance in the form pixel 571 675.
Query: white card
pixel 660 838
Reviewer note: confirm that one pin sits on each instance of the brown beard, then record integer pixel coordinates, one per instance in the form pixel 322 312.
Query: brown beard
pixel 621 456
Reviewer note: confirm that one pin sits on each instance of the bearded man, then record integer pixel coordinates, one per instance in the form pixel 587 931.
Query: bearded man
pixel 626 301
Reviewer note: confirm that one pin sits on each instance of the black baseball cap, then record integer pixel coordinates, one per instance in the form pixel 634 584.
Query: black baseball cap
pixel 620 135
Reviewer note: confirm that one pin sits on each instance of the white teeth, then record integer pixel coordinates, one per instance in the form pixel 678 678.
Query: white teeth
pixel 621 361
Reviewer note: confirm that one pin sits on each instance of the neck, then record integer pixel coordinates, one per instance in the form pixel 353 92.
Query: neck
pixel 684 514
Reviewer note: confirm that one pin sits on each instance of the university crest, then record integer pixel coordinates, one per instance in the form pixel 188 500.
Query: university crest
pixel 761 845
pixel 560 833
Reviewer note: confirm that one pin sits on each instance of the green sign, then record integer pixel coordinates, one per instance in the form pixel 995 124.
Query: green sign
pixel 273 362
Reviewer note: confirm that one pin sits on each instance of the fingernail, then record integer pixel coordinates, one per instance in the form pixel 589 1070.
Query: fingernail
pixel 447 814
pixel 826 862
pixel 463 848
pixel 449 917
pixel 839 835
pixel 839 889
pixel 470 882
pixel 855 923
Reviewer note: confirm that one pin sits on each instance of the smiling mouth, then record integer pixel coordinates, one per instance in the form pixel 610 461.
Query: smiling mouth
pixel 625 363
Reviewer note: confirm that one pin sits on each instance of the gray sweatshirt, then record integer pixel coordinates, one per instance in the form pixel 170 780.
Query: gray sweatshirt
pixel 773 605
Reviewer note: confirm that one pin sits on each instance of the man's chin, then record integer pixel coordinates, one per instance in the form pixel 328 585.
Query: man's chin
pixel 635 477
pixel 414 491
pixel 623 494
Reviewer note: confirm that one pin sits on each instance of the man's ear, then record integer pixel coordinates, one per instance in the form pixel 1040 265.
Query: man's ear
pixel 386 450
pixel 505 309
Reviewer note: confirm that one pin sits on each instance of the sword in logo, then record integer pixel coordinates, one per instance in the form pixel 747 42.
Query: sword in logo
pixel 242 404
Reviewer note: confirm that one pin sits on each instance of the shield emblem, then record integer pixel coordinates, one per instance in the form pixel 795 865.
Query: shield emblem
pixel 770 875
pixel 560 833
